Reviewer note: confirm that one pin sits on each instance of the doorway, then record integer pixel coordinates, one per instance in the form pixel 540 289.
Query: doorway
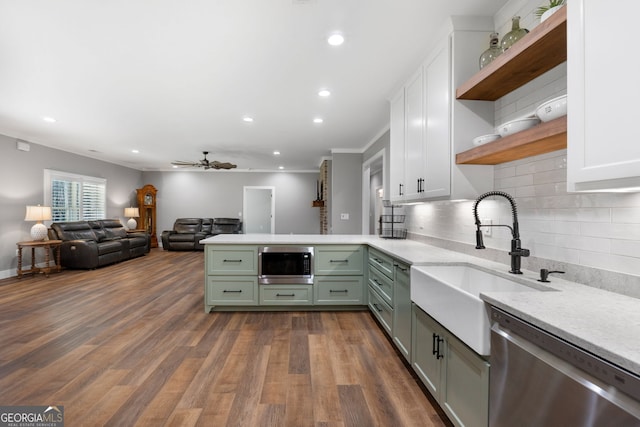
pixel 373 180
pixel 258 206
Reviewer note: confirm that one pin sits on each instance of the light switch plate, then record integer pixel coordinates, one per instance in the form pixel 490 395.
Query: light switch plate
pixel 344 216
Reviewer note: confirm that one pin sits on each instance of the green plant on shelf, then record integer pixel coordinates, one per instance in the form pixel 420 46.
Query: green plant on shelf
pixel 552 3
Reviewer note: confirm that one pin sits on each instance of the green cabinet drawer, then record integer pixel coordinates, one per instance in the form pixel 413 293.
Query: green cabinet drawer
pixel 230 259
pixel 232 290
pixel 339 260
pixel 382 262
pixel 338 290
pixel 286 294
pixel 380 309
pixel 382 284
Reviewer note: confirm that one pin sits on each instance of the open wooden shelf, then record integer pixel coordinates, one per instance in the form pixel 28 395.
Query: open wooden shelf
pixel 536 53
pixel 543 138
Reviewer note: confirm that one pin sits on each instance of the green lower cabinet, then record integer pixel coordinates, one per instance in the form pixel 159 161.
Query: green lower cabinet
pixel 231 290
pixel 454 374
pixel 402 309
pixel 380 309
pixel 286 295
pixel 338 290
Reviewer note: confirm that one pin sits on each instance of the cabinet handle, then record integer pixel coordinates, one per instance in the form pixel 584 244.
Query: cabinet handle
pixel 231 260
pixel 226 291
pixel 436 346
pixel 378 260
pixel 376 307
pixel 403 269
pixel 338 291
pixel 400 192
pixel 433 343
pixel 340 260
pixel 285 295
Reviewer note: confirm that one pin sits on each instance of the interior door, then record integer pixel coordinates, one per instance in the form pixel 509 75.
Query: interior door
pixel 259 209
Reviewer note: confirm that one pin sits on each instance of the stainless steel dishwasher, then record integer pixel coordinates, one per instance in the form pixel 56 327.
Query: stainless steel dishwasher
pixel 538 379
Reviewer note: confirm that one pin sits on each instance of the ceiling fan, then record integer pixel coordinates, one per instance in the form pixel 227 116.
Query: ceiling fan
pixel 205 163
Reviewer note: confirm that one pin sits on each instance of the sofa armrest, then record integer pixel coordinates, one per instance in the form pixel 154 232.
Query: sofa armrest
pixel 79 254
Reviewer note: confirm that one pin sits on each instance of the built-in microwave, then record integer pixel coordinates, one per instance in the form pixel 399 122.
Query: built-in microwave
pixel 285 265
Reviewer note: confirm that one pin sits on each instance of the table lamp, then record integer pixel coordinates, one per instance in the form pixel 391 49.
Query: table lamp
pixel 132 213
pixel 38 214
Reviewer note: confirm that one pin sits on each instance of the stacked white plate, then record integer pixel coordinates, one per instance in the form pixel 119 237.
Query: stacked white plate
pixel 552 109
pixel 518 125
pixel 483 139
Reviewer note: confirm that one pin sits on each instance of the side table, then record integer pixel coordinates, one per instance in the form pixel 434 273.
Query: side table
pixel 48 245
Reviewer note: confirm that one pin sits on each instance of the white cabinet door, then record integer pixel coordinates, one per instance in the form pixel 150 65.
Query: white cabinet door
pixel 414 138
pixel 603 152
pixel 437 172
pixel 396 144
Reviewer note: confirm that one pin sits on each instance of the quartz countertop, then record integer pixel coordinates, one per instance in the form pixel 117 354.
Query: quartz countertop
pixel 604 323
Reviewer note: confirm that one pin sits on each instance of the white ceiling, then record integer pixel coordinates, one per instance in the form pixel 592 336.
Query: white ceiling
pixel 174 78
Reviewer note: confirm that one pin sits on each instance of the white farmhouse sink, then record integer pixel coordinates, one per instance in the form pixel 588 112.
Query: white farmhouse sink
pixel 451 295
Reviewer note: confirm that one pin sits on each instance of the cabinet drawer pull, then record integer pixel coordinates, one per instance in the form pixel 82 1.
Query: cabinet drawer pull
pixel 378 260
pixel 231 260
pixel 376 282
pixel 377 308
pixel 338 291
pixel 340 260
pixel 285 295
pixel 436 346
pixel 227 291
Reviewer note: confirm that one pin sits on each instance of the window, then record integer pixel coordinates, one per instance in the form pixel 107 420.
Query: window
pixel 74 197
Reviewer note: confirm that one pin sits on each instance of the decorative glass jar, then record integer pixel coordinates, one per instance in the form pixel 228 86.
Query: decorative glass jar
pixel 514 35
pixel 493 52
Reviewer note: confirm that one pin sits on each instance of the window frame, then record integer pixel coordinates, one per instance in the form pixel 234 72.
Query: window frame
pixel 51 175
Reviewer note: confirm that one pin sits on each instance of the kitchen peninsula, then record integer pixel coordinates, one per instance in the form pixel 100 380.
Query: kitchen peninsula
pixel 604 323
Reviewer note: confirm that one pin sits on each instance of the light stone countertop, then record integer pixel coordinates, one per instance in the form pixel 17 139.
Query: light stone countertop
pixel 605 323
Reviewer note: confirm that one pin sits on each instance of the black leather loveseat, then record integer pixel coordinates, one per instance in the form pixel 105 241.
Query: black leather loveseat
pixel 187 232
pixel 92 244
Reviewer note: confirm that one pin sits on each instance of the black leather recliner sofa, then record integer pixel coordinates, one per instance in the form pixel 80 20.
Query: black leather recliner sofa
pixel 92 244
pixel 187 232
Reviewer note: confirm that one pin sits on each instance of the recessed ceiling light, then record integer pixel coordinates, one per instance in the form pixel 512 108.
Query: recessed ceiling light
pixel 49 119
pixel 276 153
pixel 174 166
pixel 318 120
pixel 324 93
pixel 135 151
pixel 280 167
pixel 335 39
pixel 247 119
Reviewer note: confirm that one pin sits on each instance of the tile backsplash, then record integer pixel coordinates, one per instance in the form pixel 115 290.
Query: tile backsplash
pixel 594 237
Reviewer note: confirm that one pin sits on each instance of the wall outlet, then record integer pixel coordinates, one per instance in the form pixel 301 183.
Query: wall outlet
pixel 344 216
pixel 486 231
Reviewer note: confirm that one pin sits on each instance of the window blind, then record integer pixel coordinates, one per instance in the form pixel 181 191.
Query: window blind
pixel 75 197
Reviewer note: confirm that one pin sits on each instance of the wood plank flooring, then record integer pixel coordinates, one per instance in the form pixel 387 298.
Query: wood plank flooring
pixel 130 345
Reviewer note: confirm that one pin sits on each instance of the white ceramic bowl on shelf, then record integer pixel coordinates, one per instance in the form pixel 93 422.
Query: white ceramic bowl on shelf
pixel 552 109
pixel 483 139
pixel 518 125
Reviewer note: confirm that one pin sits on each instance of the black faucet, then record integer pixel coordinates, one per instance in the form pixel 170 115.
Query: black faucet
pixel 517 252
pixel 544 275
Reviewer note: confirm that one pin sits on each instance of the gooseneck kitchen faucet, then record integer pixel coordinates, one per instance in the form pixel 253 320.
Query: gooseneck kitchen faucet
pixel 517 252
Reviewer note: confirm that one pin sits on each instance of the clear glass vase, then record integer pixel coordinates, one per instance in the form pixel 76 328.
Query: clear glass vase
pixel 514 35
pixel 493 52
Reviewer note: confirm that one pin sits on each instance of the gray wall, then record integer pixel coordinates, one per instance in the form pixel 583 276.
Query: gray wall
pixel 22 184
pixel 211 194
pixel 346 193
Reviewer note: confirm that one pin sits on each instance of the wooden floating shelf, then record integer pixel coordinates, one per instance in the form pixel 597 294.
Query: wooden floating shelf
pixel 540 139
pixel 542 49
pixel 317 203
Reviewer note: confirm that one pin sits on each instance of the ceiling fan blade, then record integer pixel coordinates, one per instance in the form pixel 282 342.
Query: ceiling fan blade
pixel 183 163
pixel 222 165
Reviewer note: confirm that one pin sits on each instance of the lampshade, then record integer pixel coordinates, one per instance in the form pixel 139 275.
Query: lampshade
pixel 132 213
pixel 39 214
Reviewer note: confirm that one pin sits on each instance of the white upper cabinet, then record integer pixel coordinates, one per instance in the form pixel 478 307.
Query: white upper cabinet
pixel 436 125
pixel 396 155
pixel 603 149
pixel 414 162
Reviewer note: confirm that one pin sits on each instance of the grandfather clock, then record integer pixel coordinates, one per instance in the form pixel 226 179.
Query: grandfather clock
pixel 147 207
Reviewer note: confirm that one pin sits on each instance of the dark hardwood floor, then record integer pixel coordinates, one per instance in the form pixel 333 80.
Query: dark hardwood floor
pixel 130 344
